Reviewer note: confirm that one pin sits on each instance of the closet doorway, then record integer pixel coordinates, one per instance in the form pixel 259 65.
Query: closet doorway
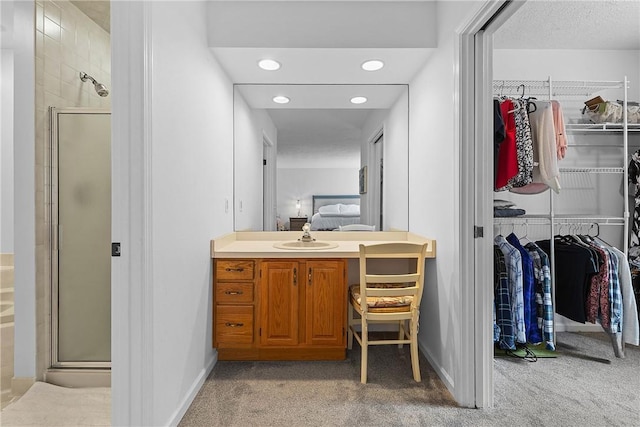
pixel 494 53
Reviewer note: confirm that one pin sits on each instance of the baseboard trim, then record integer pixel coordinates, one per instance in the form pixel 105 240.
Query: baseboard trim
pixel 444 375
pixel 20 385
pixel 578 328
pixel 78 378
pixel 193 391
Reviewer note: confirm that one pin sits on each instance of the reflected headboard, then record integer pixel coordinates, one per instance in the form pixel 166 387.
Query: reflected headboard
pixel 324 200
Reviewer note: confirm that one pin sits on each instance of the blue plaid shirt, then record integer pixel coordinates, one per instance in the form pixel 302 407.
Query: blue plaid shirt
pixel 514 268
pixel 502 322
pixel 542 273
pixel 533 332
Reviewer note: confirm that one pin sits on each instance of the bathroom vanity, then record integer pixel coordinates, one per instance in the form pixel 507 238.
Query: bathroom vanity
pixel 271 303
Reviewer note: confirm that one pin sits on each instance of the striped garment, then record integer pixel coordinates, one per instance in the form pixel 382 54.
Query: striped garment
pixel 534 334
pixel 513 260
pixel 542 274
pixel 503 324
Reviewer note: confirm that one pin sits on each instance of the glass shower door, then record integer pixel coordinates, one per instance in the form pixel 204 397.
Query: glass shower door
pixel 81 217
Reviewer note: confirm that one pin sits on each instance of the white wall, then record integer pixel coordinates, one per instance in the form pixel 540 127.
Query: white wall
pixel 394 122
pixel 192 145
pixel 249 126
pixel 6 151
pixel 396 154
pixel 564 64
pixel 24 188
pixel 434 186
pixel 302 184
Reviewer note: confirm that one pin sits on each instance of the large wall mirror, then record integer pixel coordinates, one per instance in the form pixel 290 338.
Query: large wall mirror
pixel 299 147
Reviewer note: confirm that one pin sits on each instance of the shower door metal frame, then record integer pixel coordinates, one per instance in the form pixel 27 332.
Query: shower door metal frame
pixel 54 236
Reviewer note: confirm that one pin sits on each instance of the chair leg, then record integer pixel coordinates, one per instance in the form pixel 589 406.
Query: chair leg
pixel 400 332
pixel 350 309
pixel 364 336
pixel 415 363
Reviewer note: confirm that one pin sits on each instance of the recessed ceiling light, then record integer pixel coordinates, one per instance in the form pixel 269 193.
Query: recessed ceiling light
pixel 358 100
pixel 280 99
pixel 269 64
pixel 372 65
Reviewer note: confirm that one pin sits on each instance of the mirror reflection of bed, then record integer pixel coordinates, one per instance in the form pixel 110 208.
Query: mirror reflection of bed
pixel 337 213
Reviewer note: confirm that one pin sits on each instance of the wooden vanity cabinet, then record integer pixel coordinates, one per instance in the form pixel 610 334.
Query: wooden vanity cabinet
pixel 300 311
pixel 303 304
pixel 234 308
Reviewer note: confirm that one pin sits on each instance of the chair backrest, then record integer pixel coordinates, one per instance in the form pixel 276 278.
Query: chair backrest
pixel 357 227
pixel 405 283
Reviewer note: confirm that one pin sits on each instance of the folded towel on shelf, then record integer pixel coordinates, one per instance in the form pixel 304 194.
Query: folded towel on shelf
pixel 507 212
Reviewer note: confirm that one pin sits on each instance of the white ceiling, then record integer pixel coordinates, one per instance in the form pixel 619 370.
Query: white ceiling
pixel 325 41
pixel 554 24
pixel 321 96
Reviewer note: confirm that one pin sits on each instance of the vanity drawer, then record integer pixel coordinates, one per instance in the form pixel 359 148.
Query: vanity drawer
pixel 234 324
pixel 234 269
pixel 232 293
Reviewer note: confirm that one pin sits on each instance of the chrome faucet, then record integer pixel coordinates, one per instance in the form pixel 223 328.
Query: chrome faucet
pixel 306 236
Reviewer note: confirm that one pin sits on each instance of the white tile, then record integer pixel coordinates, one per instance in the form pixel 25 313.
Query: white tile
pixel 39 70
pixel 68 19
pixel 39 18
pixel 39 41
pixel 52 66
pixel 69 57
pixel 52 84
pixel 68 74
pixel 52 11
pixel 51 29
pixel 82 47
pixel 71 93
pixel 51 100
pixel 52 48
pixel 68 38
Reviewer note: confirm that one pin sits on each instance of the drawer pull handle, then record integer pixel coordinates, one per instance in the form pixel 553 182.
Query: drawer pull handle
pixel 233 292
pixel 239 269
pixel 234 325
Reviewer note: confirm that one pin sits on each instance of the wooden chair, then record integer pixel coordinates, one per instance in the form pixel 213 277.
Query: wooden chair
pixel 391 298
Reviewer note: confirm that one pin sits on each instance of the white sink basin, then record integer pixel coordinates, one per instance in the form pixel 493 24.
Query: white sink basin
pixel 297 244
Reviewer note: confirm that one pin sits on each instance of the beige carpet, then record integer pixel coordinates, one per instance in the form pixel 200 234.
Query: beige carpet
pixel 585 386
pixel 49 405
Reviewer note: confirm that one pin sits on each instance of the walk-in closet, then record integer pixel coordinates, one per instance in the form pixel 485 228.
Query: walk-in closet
pixel 567 137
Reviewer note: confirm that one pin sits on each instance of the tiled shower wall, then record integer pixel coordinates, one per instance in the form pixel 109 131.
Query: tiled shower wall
pixel 67 42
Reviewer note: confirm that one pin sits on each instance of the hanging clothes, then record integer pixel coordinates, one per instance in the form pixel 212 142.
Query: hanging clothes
pixel 507 154
pixel 499 133
pixel 630 323
pixel 503 323
pixel 574 267
pixel 544 302
pixel 528 292
pixel 513 260
pixel 546 174
pixel 634 178
pixel 561 133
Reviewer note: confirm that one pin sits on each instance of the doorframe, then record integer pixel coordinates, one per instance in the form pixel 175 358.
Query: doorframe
pixel 475 62
pixel 269 186
pixel 132 326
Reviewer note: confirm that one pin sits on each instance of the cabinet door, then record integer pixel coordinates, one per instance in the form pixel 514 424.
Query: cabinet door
pixel 326 298
pixel 279 303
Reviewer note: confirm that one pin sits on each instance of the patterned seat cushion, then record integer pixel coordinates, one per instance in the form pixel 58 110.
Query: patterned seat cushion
pixel 382 302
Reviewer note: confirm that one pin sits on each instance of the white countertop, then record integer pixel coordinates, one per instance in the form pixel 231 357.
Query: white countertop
pixel 259 244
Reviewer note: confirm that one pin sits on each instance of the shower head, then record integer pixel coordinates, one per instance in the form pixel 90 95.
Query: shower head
pixel 99 87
